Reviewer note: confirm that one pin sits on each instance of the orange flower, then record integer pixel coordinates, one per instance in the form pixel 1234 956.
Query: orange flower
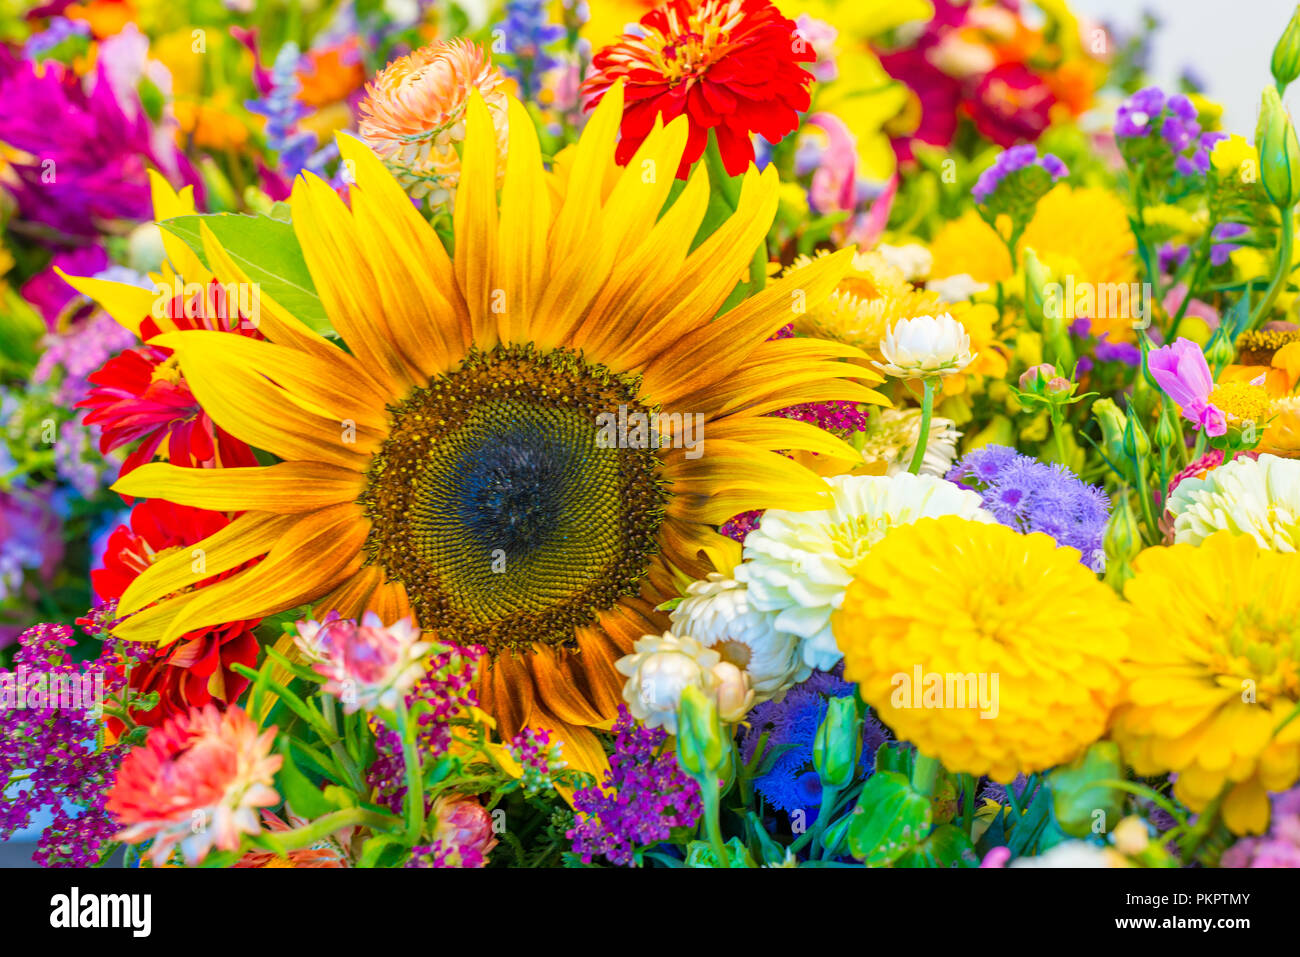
pixel 414 114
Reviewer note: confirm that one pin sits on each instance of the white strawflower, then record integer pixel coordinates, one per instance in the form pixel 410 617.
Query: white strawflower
pixel 956 288
pixel 912 259
pixel 925 346
pixel 798 564
pixel 1255 497
pixel 717 612
pixel 1073 854
pixel 659 669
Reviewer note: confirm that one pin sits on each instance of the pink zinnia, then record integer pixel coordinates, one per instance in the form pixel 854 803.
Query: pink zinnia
pixel 1182 372
pixel 196 783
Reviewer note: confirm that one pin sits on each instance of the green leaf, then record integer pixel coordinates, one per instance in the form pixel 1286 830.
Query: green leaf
pixel 304 798
pixel 268 252
pixel 890 819
pixel 382 850
pixel 1080 804
pixel 948 846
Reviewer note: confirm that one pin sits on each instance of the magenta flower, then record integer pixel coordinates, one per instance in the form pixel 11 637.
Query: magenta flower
pixel 1182 372
pixel 367 665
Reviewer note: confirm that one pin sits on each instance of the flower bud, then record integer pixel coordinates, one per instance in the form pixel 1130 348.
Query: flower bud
pixel 1166 435
pixel 734 692
pixel 1279 152
pixel 703 744
pixel 1221 352
pixel 1122 542
pixel 1113 424
pixel 1136 443
pixel 1286 55
pixel 1033 378
pixel 838 744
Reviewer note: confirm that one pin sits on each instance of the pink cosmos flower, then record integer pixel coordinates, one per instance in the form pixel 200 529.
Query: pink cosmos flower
pixel 196 782
pixel 1182 372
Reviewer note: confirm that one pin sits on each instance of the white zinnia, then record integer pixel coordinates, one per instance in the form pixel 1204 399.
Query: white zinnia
pixel 956 288
pixel 925 346
pixel 1255 497
pixel 912 259
pixel 799 564
pixel 891 439
pixel 661 667
pixel 717 612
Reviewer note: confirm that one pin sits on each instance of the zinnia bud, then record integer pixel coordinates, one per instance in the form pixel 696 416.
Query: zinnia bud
pixel 838 743
pixel 1286 55
pixel 1279 152
pixel 1113 424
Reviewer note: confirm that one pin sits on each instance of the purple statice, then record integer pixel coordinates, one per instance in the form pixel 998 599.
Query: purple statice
pixel 1032 496
pixel 791 783
pixel 283 111
pixel 69 358
pixel 1011 161
pixel 77 460
pixel 60 30
pixel 1280 847
pixel 526 34
pixel 1138 114
pixel 51 757
pixel 643 797
pixel 444 691
pixel 1101 348
pixel 1223 247
pixel 1172 256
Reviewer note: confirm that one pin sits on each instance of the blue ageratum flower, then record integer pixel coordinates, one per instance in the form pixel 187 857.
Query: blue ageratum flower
pixel 525 34
pixel 283 111
pixel 1032 496
pixel 791 783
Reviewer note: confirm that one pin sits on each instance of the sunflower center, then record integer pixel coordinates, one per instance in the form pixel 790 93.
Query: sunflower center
pixel 500 510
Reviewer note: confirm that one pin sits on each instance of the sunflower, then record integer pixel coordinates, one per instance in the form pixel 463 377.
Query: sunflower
pixel 452 464
pixel 1213 674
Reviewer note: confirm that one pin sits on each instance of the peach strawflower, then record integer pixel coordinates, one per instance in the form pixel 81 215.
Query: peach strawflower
pixel 413 115
pixel 196 783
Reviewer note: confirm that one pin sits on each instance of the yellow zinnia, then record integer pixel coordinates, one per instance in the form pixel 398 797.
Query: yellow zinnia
pixel 983 606
pixel 1214 670
pixel 452 464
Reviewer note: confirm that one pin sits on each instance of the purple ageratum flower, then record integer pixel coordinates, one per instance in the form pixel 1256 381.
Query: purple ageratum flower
pixel 1012 160
pixel 1172 257
pixel 1032 496
pixel 527 33
pixel 1183 374
pixel 1222 248
pixel 644 796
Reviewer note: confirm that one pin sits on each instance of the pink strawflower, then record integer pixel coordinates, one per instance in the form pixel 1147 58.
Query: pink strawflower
pixel 197 782
pixel 1182 372
pixel 367 665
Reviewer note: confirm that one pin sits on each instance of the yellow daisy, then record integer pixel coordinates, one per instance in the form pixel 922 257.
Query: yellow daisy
pixel 453 463
pixel 1213 671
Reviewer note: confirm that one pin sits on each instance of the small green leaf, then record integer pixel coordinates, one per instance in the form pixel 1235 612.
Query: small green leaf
pixel 267 250
pixel 889 820
pixel 947 846
pixel 1083 808
pixel 382 850
pixel 303 797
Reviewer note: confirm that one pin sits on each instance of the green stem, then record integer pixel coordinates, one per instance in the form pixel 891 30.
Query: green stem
pixel 968 803
pixel 414 777
pixel 709 793
pixel 925 772
pixel 283 842
pixel 927 409
pixel 1280 272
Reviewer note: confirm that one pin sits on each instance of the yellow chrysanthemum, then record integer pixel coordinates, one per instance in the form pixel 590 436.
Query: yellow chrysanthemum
pixel 982 605
pixel 1214 669
pixel 450 464
pixel 1078 231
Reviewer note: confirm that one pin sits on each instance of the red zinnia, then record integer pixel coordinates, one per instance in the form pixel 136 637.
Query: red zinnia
pixel 732 66
pixel 140 395
pixel 197 668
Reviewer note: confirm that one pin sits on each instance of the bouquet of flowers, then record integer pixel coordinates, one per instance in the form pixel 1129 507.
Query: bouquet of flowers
pixel 709 433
